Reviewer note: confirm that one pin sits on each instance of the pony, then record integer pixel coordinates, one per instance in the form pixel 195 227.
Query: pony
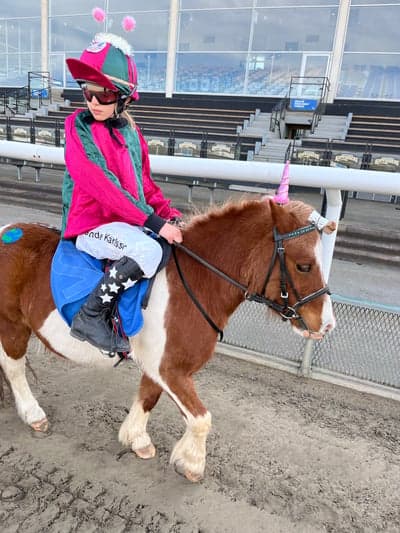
pixel 250 248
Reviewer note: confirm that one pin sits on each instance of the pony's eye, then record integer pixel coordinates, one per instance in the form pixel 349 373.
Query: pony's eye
pixel 303 268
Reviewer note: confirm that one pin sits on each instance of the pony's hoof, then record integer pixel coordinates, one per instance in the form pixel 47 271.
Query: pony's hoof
pixel 148 452
pixel 193 477
pixel 42 426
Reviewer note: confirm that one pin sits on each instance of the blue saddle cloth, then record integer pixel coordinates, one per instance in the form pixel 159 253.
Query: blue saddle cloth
pixel 74 274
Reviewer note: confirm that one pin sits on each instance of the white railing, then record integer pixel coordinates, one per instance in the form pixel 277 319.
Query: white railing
pixel 333 180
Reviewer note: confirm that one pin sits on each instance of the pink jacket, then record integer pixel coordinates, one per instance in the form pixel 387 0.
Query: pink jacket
pixel 108 180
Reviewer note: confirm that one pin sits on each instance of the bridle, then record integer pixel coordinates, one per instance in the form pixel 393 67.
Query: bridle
pixel 286 311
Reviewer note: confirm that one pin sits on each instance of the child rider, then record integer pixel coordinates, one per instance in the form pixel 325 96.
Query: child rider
pixel 109 196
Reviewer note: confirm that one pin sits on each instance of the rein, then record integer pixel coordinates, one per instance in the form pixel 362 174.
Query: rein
pixel 287 312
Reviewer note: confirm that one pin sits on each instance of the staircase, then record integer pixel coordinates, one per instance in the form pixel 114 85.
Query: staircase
pixel 382 132
pixel 273 150
pixel 365 245
pixel 271 147
pixel 257 126
pixel 331 127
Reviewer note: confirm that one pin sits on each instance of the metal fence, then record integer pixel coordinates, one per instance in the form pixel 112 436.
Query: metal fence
pixel 364 347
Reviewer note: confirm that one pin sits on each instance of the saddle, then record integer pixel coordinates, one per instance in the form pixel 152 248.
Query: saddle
pixel 74 274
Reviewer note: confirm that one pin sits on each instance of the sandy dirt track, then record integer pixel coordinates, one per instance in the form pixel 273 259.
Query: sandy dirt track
pixel 284 455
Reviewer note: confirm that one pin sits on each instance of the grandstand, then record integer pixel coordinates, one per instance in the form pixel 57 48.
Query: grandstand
pixel 227 127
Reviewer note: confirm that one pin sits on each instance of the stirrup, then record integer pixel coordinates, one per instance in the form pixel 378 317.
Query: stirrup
pixel 123 356
pixel 108 353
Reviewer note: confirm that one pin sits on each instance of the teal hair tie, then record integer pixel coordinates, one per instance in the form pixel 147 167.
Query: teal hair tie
pixel 12 235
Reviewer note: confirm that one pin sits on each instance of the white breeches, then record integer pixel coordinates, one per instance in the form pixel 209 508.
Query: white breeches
pixel 119 239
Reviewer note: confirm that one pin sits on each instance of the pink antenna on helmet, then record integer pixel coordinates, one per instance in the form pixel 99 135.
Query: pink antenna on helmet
pixel 282 194
pixel 128 23
pixel 98 14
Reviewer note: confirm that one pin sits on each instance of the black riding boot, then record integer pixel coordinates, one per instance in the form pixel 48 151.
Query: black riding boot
pixel 93 321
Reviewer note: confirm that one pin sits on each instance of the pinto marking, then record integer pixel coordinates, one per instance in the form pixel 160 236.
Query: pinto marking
pixel 56 332
pixel 149 344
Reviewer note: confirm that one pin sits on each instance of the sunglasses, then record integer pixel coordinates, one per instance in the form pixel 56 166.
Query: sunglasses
pixel 104 97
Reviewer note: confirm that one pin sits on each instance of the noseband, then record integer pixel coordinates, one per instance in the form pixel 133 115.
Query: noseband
pixel 286 311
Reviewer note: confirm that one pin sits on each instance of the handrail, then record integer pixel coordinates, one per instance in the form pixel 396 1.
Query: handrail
pixel 277 115
pixel 233 170
pixel 13 111
pixel 16 95
pixel 288 152
pixel 316 117
pixel 323 86
pixel 41 93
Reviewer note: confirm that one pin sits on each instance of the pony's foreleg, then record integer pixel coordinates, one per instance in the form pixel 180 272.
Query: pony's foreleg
pixel 27 406
pixel 189 453
pixel 133 431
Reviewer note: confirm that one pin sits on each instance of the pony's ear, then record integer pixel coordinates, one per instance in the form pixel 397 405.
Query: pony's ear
pixel 277 215
pixel 330 227
pixel 322 223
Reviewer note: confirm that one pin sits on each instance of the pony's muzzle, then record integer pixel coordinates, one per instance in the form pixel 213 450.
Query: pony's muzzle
pixel 300 327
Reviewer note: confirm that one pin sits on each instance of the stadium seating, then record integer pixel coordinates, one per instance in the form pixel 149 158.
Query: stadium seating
pixel 178 130
pixel 382 132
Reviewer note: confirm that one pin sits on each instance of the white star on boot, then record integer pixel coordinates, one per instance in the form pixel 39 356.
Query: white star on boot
pixel 113 287
pixel 113 272
pixel 106 298
pixel 129 283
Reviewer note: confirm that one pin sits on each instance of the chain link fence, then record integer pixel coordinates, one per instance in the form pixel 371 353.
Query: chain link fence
pixel 364 345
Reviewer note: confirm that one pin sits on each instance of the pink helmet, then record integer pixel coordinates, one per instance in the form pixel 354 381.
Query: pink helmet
pixel 108 62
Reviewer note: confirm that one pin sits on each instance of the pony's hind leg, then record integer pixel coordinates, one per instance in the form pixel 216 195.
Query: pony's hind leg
pixel 133 432
pixel 13 346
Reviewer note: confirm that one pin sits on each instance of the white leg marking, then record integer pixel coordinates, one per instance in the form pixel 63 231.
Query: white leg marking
pixel 27 406
pixel 189 454
pixel 133 430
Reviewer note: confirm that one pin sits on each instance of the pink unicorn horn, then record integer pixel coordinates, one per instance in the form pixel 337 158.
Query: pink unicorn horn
pixel 282 194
